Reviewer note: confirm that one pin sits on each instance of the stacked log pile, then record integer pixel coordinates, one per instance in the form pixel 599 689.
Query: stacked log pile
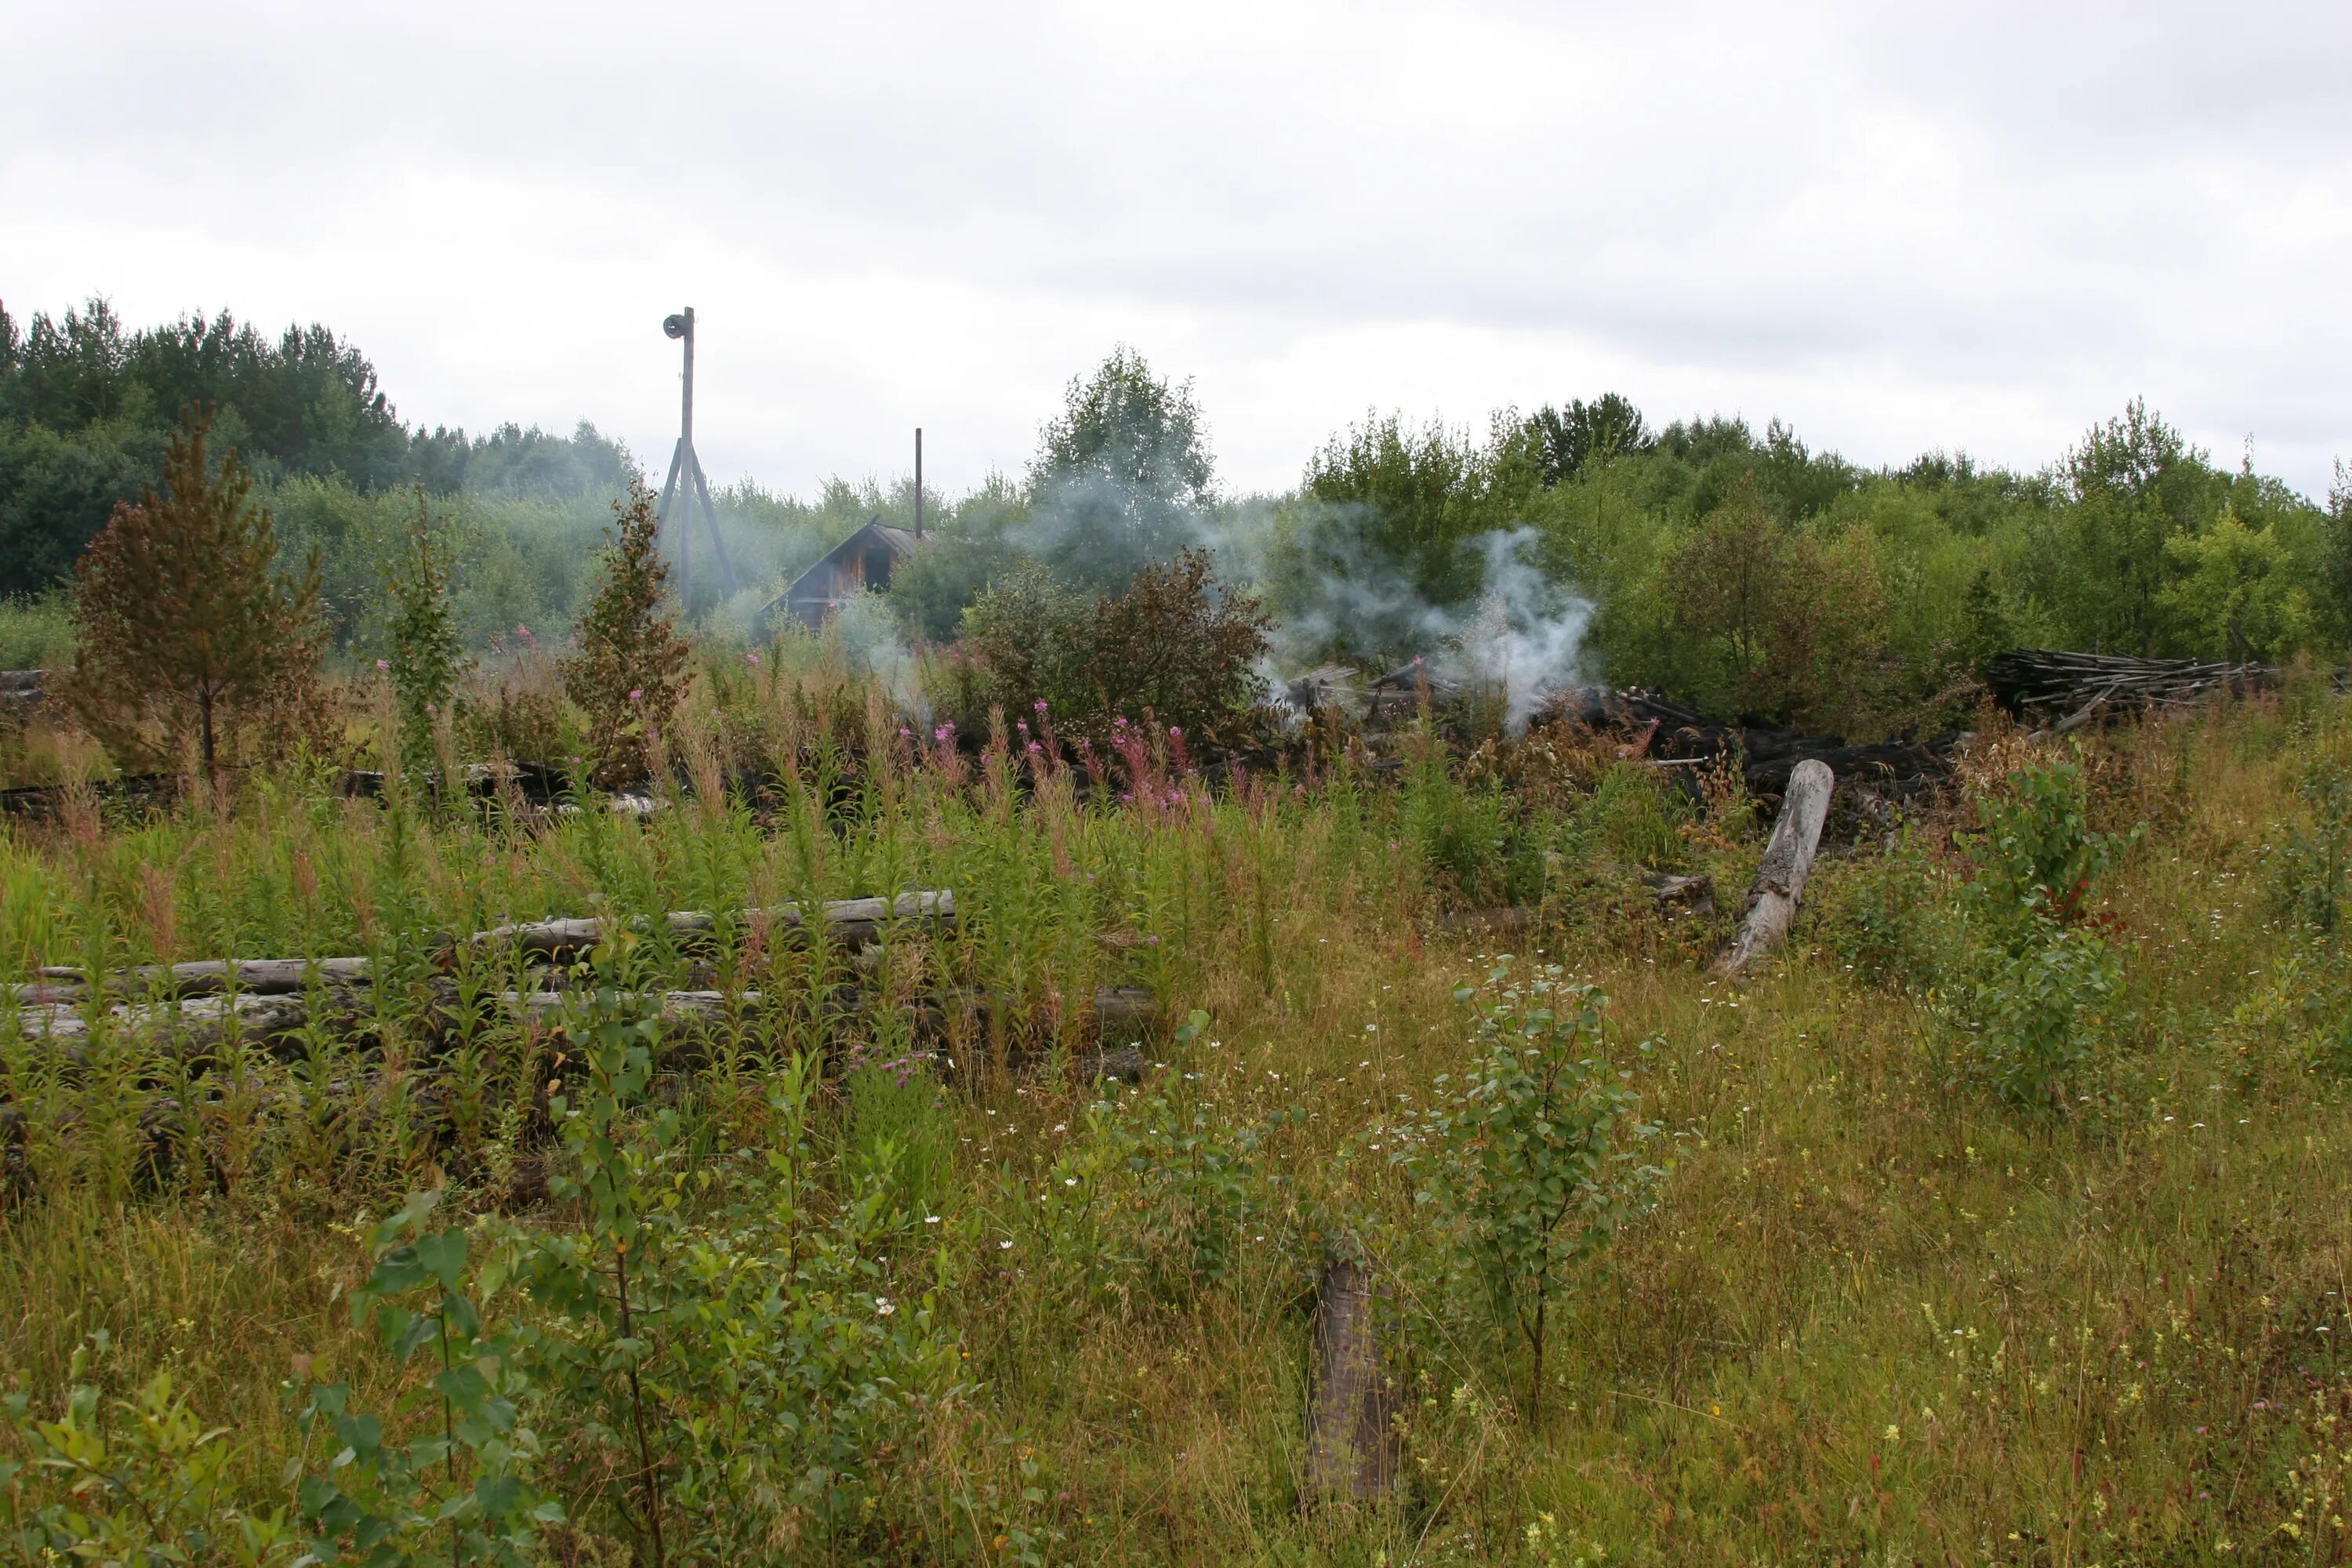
pixel 194 1011
pixel 2065 691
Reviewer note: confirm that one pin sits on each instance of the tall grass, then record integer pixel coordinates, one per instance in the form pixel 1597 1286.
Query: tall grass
pixel 1878 1314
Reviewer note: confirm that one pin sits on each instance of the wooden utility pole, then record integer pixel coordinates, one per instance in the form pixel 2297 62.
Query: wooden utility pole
pixel 685 465
pixel 918 481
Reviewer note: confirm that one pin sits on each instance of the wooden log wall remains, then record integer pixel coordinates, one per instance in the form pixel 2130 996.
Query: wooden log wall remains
pixel 847 922
pixel 1779 888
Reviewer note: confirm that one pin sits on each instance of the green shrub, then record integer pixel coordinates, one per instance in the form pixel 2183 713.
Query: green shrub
pixel 138 1480
pixel 1194 1184
pixel 37 631
pixel 461 1492
pixel 2043 980
pixel 1176 645
pixel 2035 854
pixel 631 667
pixel 1886 914
pixel 2036 1008
pixel 2308 864
pixel 1633 818
pixel 425 657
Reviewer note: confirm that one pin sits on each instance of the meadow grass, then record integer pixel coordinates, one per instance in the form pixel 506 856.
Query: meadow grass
pixel 1878 1315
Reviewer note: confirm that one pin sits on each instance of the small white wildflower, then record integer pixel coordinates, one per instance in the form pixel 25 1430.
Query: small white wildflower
pixel 885 1306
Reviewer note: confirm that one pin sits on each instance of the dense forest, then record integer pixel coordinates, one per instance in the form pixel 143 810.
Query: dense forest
pixel 1739 569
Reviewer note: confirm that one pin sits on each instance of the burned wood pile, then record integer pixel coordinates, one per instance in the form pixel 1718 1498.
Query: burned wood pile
pixel 1768 754
pixel 2064 692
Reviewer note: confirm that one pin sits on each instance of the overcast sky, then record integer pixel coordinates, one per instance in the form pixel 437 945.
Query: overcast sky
pixel 1896 227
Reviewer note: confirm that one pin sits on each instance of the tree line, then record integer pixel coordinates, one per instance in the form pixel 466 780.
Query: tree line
pixel 1739 570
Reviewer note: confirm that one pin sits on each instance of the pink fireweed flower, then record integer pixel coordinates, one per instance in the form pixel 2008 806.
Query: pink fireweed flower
pixel 383 664
pixel 1036 747
pixel 1040 705
pixel 1174 733
pixel 636 693
pixel 751 659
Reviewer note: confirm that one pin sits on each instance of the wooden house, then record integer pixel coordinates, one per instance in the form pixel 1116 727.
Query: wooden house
pixel 863 559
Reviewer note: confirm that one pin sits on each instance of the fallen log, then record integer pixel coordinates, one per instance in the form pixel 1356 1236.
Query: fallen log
pixel 198 1027
pixel 847 922
pixel 1779 888
pixel 1352 1450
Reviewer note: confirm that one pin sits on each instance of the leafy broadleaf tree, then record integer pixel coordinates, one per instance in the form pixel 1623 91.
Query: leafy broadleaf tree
pixel 181 615
pixel 1121 478
pixel 630 670
pixel 426 656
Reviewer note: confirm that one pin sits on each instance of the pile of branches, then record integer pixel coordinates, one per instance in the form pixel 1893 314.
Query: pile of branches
pixel 2068 691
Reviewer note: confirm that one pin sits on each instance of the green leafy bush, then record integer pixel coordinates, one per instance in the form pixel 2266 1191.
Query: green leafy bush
pixel 2045 981
pixel 426 657
pixel 2035 854
pixel 1886 914
pixel 138 1480
pixel 631 666
pixel 1176 645
pixel 1193 1182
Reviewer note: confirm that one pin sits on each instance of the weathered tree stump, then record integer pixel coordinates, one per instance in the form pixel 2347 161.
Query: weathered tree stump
pixel 1352 1450
pixel 1788 860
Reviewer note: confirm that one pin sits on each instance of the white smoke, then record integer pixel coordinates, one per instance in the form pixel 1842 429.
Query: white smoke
pixel 1521 636
pixel 868 630
pixel 1527 635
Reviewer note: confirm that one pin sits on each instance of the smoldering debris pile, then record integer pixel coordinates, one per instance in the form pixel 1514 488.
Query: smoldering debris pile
pixel 1768 754
pixel 1649 726
pixel 2064 692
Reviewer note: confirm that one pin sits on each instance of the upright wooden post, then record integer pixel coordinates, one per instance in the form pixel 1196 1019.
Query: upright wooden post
pixel 686 445
pixel 918 481
pixel 1351 1446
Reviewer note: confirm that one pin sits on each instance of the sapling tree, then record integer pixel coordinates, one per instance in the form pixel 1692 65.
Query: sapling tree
pixel 1532 1160
pixel 2044 979
pixel 461 1491
pixel 181 613
pixel 425 657
pixel 630 670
